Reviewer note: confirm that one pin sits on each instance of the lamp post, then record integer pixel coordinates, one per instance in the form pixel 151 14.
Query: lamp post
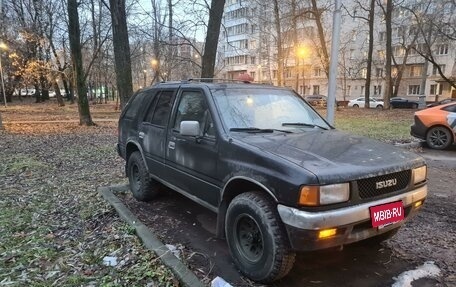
pixel 145 77
pixel 154 64
pixel 2 47
pixel 302 53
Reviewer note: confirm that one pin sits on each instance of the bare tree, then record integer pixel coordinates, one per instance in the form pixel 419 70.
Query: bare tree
pixel 76 55
pixel 388 11
pixel 121 50
pixel 212 37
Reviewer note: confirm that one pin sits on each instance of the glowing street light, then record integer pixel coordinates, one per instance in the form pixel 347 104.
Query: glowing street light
pixel 3 46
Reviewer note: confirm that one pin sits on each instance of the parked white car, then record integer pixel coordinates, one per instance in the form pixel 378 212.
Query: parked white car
pixel 359 103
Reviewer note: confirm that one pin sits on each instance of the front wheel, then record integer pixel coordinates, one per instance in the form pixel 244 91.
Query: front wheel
pixel 379 107
pixel 439 138
pixel 257 238
pixel 355 106
pixel 142 186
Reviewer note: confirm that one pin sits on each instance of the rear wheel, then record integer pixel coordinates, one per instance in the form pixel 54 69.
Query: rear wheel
pixel 379 107
pixel 143 187
pixel 257 238
pixel 439 138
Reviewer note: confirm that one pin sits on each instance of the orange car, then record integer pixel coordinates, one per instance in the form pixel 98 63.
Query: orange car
pixel 436 125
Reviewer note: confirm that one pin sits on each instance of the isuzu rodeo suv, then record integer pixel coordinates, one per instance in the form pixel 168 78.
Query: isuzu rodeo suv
pixel 280 178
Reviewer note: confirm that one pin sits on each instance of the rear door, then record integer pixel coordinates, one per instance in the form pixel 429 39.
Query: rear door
pixel 152 131
pixel 193 160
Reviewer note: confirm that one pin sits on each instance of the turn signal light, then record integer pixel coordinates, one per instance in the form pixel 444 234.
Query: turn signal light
pixel 327 233
pixel 418 203
pixel 310 196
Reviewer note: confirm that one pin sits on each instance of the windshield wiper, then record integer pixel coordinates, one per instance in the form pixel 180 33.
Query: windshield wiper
pixel 305 125
pixel 258 130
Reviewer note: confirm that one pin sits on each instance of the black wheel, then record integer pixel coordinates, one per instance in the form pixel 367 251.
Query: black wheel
pixel 142 186
pixel 355 106
pixel 379 107
pixel 439 138
pixel 257 238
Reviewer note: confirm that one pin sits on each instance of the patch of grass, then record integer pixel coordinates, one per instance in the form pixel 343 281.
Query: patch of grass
pixel 385 125
pixel 21 163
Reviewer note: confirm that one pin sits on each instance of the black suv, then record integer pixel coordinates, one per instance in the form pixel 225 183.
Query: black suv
pixel 279 177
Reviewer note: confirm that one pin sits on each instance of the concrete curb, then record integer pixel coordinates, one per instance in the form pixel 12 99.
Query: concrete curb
pixel 185 275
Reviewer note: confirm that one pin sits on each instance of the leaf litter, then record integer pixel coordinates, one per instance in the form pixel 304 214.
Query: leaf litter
pixel 54 227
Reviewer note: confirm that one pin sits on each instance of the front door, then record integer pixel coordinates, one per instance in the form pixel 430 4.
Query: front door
pixel 194 159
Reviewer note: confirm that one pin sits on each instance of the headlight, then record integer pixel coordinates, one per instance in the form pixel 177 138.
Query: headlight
pixel 419 174
pixel 325 194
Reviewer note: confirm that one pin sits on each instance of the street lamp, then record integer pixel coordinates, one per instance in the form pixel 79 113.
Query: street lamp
pixel 145 77
pixel 302 53
pixel 2 47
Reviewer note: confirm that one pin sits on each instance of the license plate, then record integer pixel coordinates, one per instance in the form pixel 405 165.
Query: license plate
pixel 386 214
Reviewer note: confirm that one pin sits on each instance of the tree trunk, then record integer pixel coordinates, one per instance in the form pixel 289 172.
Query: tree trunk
pixel 212 37
pixel 1 122
pixel 321 35
pixel 389 54
pixel 76 56
pixel 58 95
pixel 369 55
pixel 121 51
pixel 278 28
pixel 294 28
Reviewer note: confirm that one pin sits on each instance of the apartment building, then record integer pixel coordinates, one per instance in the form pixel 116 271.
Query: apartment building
pixel 249 46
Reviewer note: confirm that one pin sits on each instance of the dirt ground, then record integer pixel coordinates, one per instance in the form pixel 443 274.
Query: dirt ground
pixel 430 236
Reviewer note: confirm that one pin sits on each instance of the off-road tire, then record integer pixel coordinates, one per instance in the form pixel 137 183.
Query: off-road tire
pixel 142 186
pixel 276 258
pixel 439 138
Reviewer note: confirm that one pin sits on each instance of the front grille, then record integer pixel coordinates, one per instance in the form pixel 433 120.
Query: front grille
pixel 368 187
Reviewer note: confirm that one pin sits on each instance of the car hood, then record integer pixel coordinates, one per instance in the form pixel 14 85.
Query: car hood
pixel 334 156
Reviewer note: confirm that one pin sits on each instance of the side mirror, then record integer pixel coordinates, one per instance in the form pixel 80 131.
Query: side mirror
pixel 190 128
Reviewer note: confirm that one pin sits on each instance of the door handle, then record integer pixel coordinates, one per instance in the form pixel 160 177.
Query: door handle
pixel 141 135
pixel 171 145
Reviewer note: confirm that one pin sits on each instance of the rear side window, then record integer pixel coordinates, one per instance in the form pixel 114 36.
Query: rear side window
pixel 135 105
pixel 159 116
pixel 451 108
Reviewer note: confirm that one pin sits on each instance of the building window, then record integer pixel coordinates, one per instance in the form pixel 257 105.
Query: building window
pixel 252 74
pixel 253 60
pixel 381 36
pixel 442 49
pixel 364 73
pixel 433 89
pixel 378 90
pixel 316 89
pixel 379 72
pixel 362 90
pixel 415 71
pixel 317 72
pixel 435 70
pixel 274 74
pixel 414 89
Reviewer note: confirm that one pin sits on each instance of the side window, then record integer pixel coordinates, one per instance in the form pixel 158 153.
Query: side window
pixel 451 109
pixel 135 105
pixel 158 113
pixel 193 107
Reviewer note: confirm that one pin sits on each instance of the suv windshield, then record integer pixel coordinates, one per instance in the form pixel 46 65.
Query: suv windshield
pixel 265 108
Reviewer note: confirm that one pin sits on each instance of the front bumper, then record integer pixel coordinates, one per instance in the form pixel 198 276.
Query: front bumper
pixel 353 223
